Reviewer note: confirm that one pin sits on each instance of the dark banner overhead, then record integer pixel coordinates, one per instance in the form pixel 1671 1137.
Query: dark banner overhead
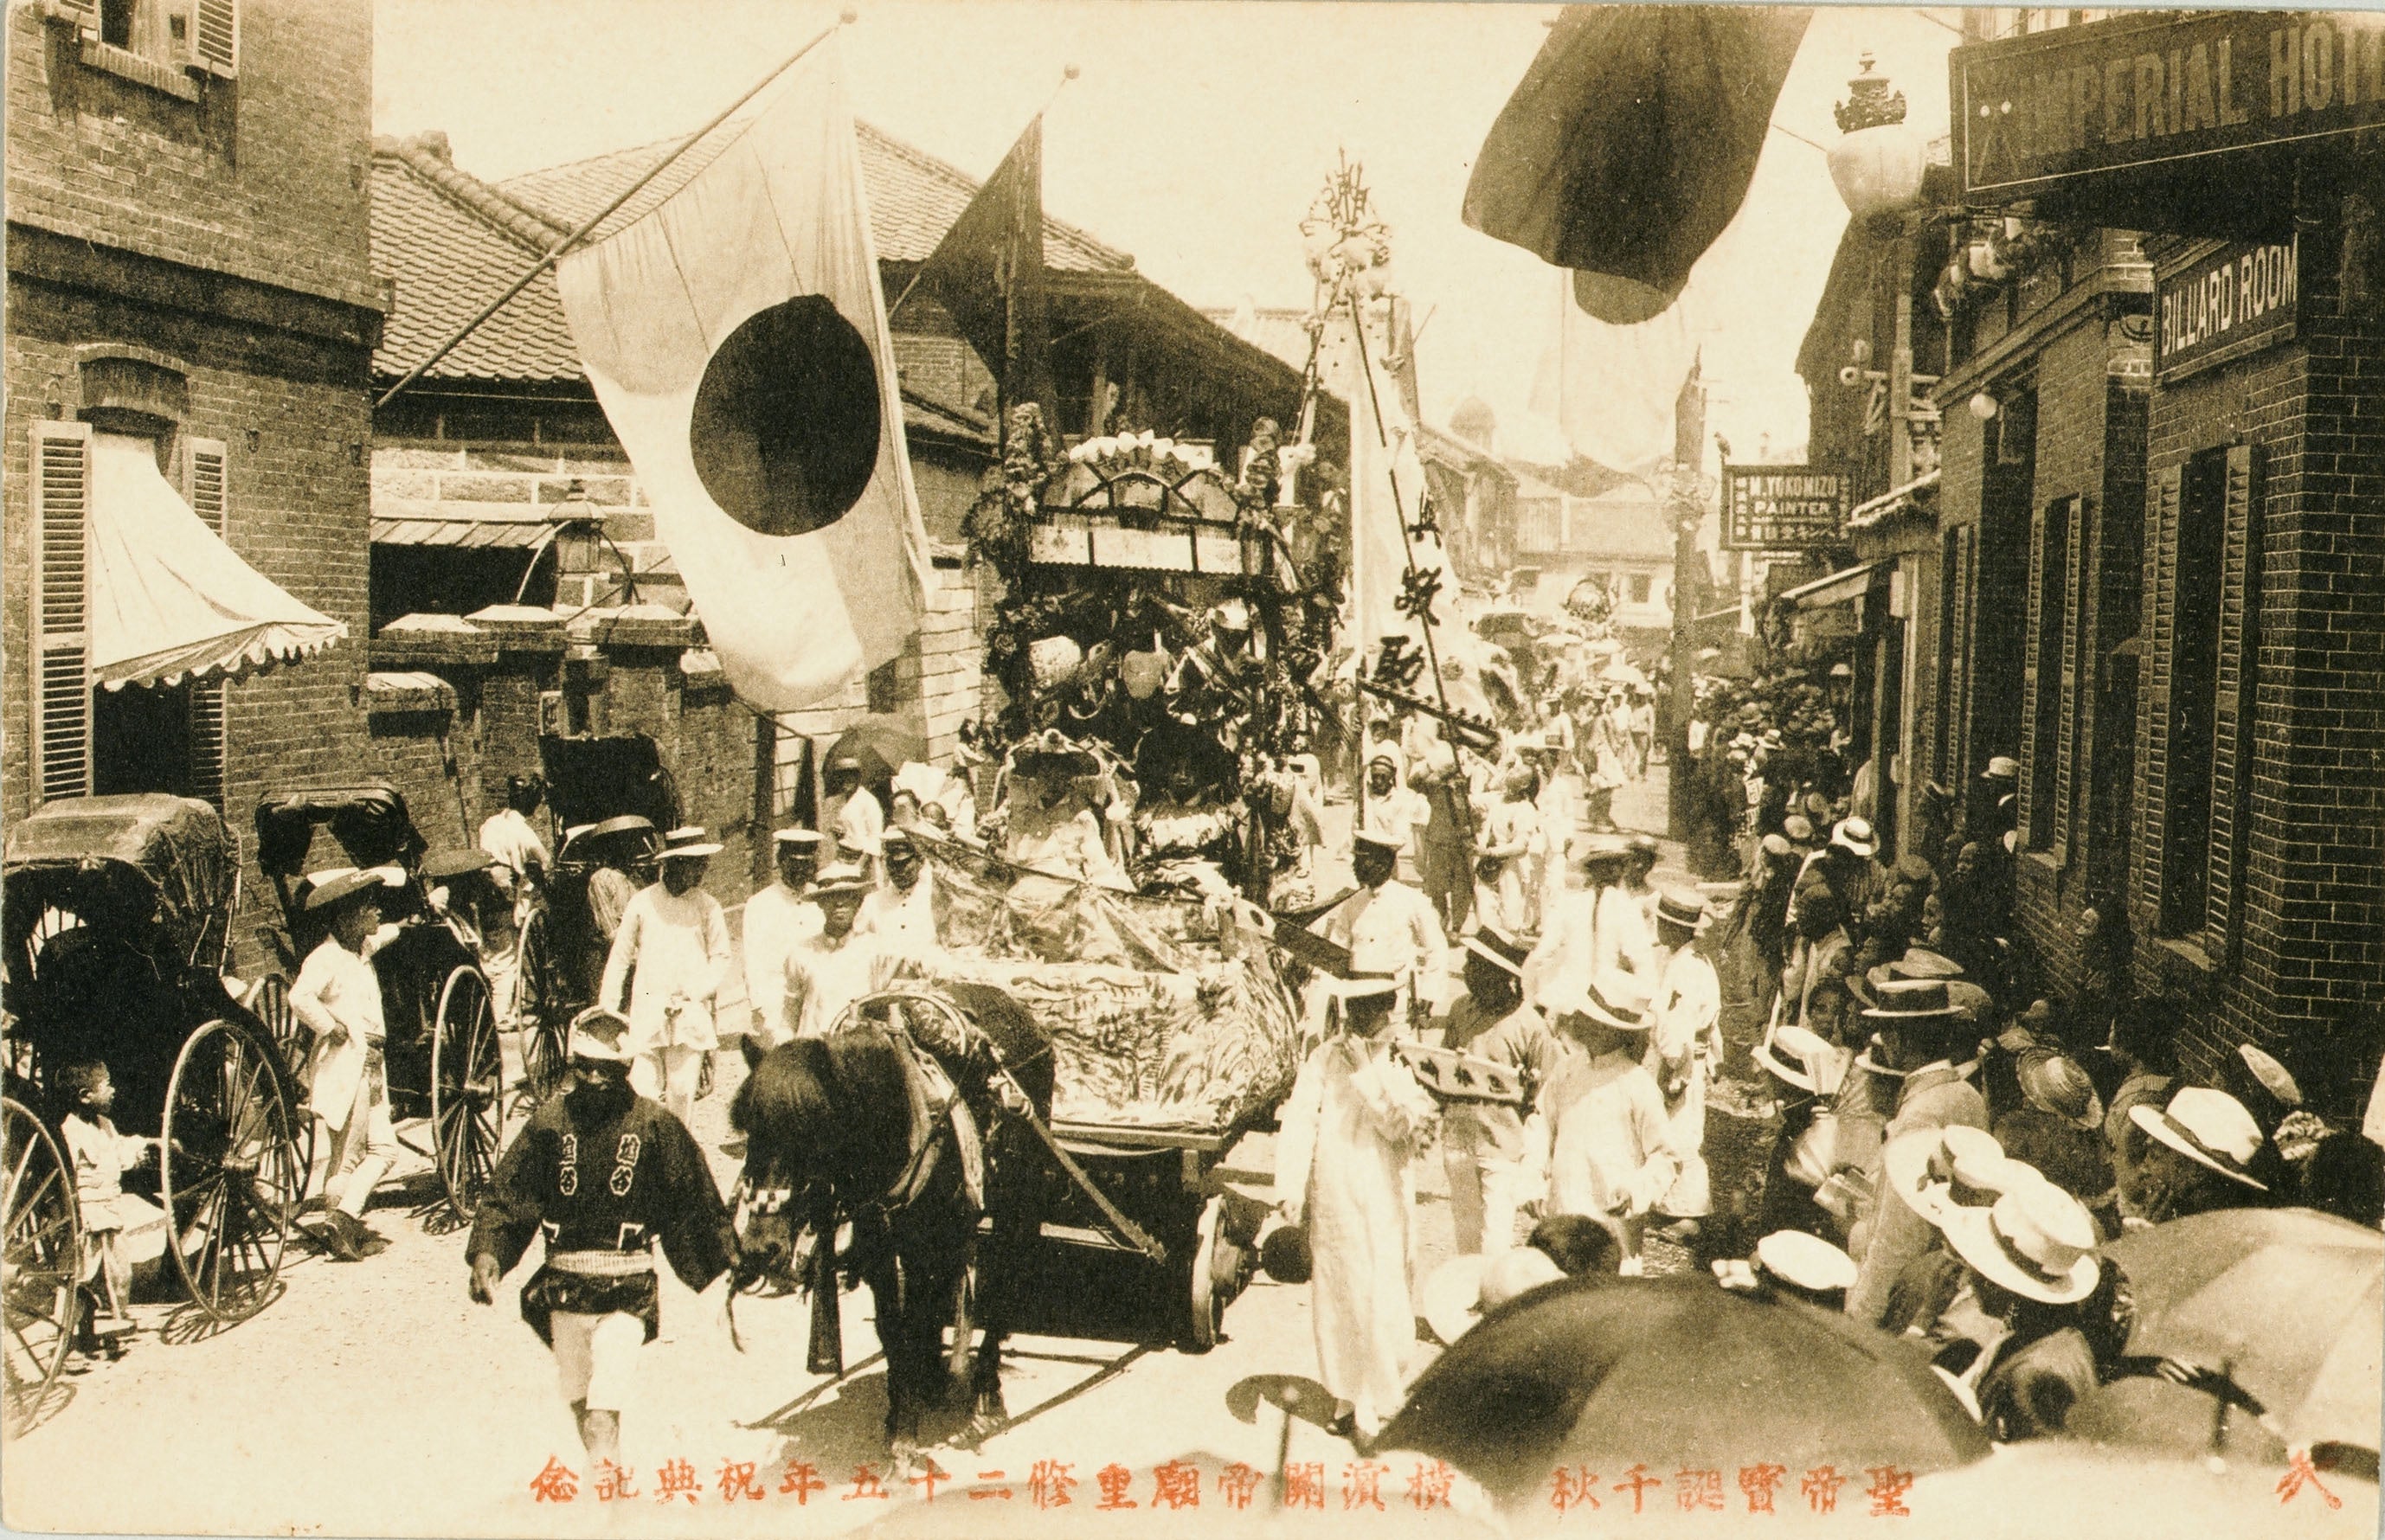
pixel 1782 507
pixel 2032 113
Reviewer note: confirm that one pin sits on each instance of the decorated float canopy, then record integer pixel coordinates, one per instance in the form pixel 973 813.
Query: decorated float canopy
pixel 1142 503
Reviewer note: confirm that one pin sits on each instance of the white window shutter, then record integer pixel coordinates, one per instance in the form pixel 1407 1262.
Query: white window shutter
pixel 204 463
pixel 61 452
pixel 215 37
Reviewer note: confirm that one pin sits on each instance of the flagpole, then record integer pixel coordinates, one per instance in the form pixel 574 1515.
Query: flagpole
pixel 543 264
pixel 1067 74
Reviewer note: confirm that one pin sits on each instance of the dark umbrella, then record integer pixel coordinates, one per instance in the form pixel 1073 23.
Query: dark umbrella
pixel 877 746
pixel 1670 1371
pixel 2286 1302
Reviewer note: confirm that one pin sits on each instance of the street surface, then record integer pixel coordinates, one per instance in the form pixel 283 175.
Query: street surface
pixel 376 1398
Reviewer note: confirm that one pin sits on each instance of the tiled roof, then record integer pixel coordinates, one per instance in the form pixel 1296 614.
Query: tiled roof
pixel 914 197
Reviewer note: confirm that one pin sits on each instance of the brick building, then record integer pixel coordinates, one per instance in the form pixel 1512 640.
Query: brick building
pixel 188 268
pixel 515 567
pixel 2150 564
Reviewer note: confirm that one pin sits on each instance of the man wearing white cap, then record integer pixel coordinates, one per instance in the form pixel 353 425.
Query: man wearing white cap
pixel 337 997
pixel 828 971
pixel 1354 1120
pixel 604 1173
pixel 667 963
pixel 1611 1147
pixel 1387 926
pixel 778 919
pixel 1685 1043
pixel 1396 811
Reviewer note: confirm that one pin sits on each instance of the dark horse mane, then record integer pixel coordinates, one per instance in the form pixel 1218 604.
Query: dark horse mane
pixel 830 1107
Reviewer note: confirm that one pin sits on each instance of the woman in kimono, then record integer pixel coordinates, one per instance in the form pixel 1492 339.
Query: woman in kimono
pixel 1356 1118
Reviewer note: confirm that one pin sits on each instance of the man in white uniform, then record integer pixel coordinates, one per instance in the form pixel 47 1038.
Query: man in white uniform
pixel 1389 927
pixel 778 919
pixel 337 995
pixel 1354 1120
pixel 861 820
pixel 1398 810
pixel 1685 1044
pixel 667 963
pixel 828 971
pixel 900 912
pixel 1599 929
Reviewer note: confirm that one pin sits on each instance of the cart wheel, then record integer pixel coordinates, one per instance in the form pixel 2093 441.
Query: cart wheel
pixel 468 1104
pixel 37 1271
pixel 540 1012
pixel 1202 1309
pixel 230 1175
pixel 269 1002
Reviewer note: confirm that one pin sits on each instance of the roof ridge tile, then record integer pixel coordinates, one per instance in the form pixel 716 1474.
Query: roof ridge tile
pixel 494 206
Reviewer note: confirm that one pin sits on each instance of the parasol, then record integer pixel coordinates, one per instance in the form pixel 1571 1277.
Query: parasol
pixel 877 746
pixel 1670 1371
pixel 2287 1302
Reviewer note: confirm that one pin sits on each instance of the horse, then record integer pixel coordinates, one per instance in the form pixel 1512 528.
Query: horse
pixel 829 1123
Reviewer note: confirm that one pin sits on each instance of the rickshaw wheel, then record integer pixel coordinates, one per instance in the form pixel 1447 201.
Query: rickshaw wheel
pixel 540 1010
pixel 467 1107
pixel 269 1002
pixel 37 1269
pixel 229 1173
pixel 1202 1309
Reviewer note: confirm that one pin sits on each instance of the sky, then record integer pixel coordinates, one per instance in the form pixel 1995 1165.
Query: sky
pixel 1194 137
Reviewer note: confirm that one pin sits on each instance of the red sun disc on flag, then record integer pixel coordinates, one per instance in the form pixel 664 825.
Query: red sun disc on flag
pixel 785 429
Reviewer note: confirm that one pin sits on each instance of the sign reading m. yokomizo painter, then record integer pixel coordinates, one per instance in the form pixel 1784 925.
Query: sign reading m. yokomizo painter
pixel 2036 111
pixel 1782 507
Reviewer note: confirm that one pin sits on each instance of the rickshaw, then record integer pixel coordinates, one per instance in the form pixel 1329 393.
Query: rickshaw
pixel 610 800
pixel 116 910
pixel 443 1055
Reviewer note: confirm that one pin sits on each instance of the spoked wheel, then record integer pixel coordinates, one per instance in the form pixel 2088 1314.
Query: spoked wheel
pixel 269 1002
pixel 541 1010
pixel 231 1173
pixel 468 1104
pixel 1202 1306
pixel 37 1271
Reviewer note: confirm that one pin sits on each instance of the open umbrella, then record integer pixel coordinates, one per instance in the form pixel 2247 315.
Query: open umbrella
pixel 1668 1372
pixel 2286 1302
pixel 879 746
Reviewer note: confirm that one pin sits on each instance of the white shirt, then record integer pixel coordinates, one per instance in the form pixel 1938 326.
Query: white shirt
pixel 672 950
pixel 823 977
pixel 903 923
pixel 514 846
pixel 1686 1002
pixel 1611 1143
pixel 337 992
pixel 776 920
pixel 1391 929
pixel 1593 930
pixel 859 823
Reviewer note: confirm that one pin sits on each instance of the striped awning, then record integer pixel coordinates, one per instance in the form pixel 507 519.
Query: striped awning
pixel 470 524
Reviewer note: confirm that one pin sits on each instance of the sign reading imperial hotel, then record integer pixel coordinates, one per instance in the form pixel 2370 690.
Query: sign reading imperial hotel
pixel 2129 93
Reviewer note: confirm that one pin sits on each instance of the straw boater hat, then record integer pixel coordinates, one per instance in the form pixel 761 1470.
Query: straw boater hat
pixel 1909 1000
pixel 2056 1083
pixel 1856 835
pixel 1930 1168
pixel 600 1034
pixel 2274 1077
pixel 1499 949
pixel 687 842
pixel 2003 767
pixel 1603 850
pixel 844 876
pixel 337 887
pixel 1799 1057
pixel 1371 832
pixel 1614 999
pixel 1797 829
pixel 1687 910
pixel 2037 1241
pixel 1806 1266
pixel 2209 1127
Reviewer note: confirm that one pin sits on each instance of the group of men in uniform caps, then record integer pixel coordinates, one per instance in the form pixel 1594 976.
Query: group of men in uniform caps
pixel 1604 1029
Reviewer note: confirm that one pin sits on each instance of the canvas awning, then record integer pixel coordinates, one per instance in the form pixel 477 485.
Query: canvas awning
pixel 169 598
pixel 1840 588
pixel 470 525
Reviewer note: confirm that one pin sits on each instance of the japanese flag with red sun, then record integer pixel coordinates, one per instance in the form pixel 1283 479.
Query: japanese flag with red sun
pixel 736 335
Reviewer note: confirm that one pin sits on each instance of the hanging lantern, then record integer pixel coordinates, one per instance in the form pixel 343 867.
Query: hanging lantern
pixel 1878 163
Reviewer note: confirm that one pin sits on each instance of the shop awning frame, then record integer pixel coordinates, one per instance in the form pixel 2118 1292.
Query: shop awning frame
pixel 1842 586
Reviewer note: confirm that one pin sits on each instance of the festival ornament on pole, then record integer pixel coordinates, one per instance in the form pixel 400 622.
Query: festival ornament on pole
pixel 736 335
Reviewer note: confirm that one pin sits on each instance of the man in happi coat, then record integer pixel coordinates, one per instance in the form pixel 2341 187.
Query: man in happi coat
pixel 602 1174
pixel 1356 1118
pixel 1483 1143
pixel 778 919
pixel 667 963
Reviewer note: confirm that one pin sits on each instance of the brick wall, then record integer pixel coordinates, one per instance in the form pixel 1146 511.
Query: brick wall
pixel 2302 964
pixel 263 177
